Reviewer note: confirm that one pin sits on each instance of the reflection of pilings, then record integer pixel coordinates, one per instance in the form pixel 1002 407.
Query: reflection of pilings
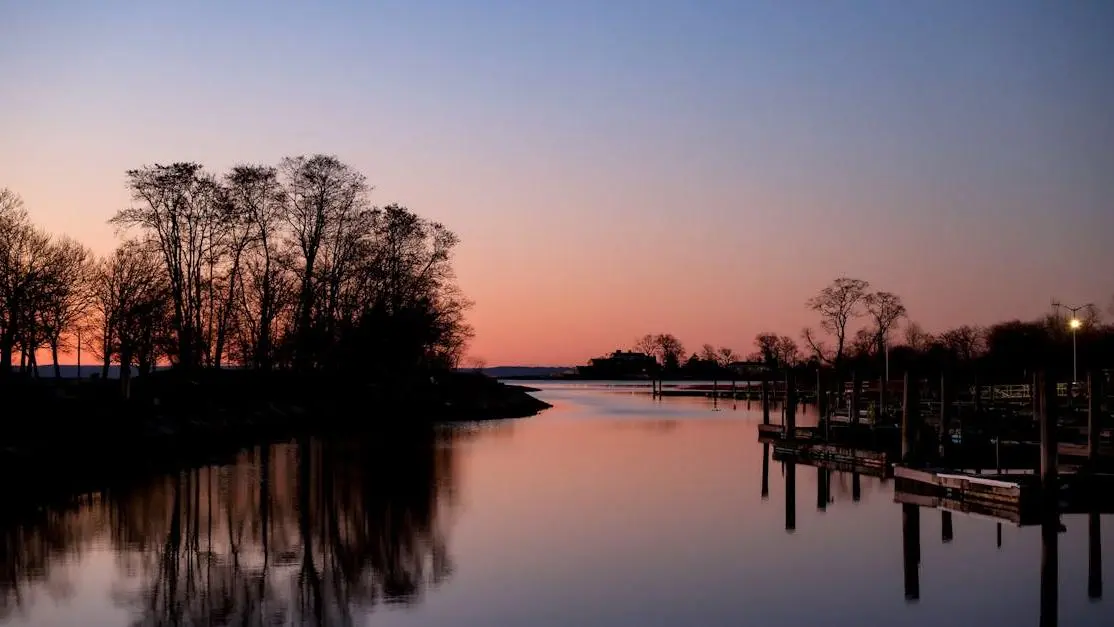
pixel 911 540
pixel 765 471
pixel 946 533
pixel 1094 556
pixel 821 489
pixel 856 487
pixel 790 496
pixel 1050 532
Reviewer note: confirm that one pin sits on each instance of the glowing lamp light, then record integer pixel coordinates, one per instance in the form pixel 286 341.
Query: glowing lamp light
pixel 1075 323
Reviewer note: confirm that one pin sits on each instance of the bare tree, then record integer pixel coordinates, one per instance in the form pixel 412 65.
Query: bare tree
pixel 726 356
pixel 24 270
pixel 256 193
pixel 885 309
pixel 787 352
pixel 837 305
pixel 864 344
pixel 776 351
pixel 917 338
pixel 68 295
pixel 132 292
pixel 177 206
pixel 645 344
pixel 965 342
pixel 708 353
pixel 322 192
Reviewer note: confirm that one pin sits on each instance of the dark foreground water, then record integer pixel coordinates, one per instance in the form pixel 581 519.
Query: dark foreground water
pixel 610 509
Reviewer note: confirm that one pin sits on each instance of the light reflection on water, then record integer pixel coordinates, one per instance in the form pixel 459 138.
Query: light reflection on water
pixel 610 509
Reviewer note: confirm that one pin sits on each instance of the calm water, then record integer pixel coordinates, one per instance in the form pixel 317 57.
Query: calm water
pixel 610 509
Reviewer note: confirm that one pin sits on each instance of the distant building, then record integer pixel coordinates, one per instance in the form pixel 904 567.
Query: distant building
pixel 619 365
pixel 749 368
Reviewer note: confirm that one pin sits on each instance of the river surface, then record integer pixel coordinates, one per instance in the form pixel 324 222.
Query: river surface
pixel 609 509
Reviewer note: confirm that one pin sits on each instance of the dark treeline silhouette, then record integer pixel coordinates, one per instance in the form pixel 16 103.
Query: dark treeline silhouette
pixel 308 532
pixel 866 329
pixel 263 267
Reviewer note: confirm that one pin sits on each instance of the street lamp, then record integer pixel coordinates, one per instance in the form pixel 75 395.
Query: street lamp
pixel 1074 324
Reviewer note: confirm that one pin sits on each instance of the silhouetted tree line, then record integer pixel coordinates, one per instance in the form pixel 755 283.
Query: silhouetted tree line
pixel 263 267
pixel 1008 350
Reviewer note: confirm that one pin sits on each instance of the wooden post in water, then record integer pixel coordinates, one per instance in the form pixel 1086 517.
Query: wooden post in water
pixel 910 419
pixel 790 405
pixel 881 398
pixel 1049 445
pixel 856 487
pixel 945 415
pixel 1094 426
pixel 820 397
pixel 853 404
pixel 765 398
pixel 946 532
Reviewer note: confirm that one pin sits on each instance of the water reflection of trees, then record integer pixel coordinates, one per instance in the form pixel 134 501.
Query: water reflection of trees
pixel 311 532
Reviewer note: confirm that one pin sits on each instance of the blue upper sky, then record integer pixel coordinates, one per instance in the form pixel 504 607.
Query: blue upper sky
pixel 701 133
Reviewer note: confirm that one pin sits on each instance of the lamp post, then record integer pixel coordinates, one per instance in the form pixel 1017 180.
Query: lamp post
pixel 1074 324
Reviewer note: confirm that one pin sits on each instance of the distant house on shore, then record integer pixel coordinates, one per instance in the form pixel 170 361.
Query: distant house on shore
pixel 619 365
pixel 749 368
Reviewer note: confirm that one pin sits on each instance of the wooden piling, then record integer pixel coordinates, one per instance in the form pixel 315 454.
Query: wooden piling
pixel 820 396
pixel 765 399
pixel 910 419
pixel 1047 415
pixel 946 531
pixel 856 487
pixel 790 406
pixel 881 399
pixel 853 403
pixel 945 415
pixel 1094 426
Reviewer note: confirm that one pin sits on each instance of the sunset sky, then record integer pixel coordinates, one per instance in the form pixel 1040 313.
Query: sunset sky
pixel 622 167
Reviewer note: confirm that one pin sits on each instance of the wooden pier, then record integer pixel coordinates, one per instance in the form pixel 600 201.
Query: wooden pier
pixel 936 448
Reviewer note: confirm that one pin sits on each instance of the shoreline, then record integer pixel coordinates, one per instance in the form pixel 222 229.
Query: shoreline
pixel 74 432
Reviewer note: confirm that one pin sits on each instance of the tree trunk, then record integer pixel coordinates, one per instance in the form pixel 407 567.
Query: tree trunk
pixel 125 374
pixel 7 341
pixel 54 358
